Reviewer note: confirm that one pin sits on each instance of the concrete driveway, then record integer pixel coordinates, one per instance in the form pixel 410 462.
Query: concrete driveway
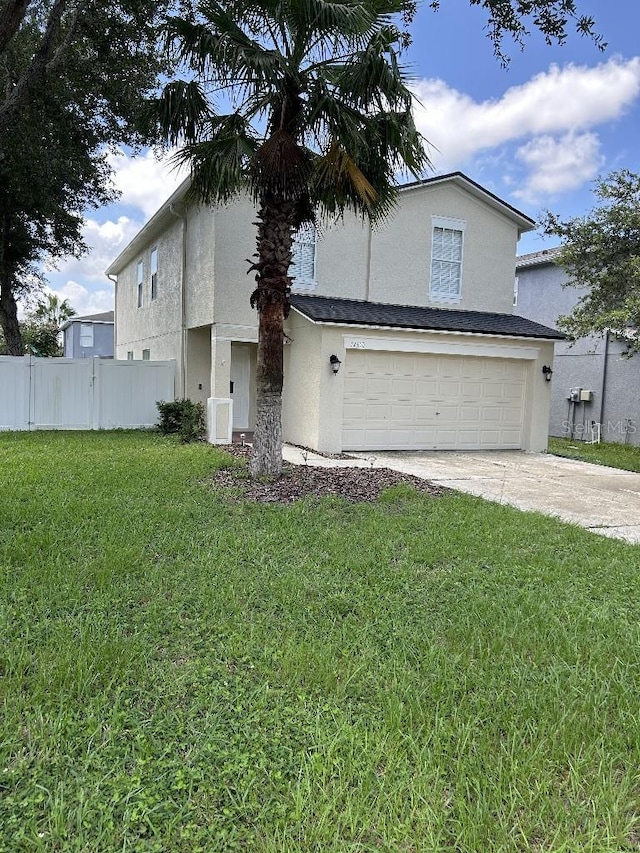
pixel 605 500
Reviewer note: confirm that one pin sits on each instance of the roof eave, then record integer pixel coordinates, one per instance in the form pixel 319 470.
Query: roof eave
pixel 524 222
pixel 150 230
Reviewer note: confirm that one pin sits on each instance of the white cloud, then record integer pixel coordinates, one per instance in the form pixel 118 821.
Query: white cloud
pixel 557 165
pixel 86 301
pixel 557 101
pixel 106 240
pixel 145 181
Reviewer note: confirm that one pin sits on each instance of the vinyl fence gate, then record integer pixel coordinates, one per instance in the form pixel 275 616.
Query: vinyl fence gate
pixel 82 393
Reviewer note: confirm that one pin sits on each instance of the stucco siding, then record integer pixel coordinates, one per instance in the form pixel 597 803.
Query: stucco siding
pixel 303 382
pixel 401 251
pixel 199 274
pixel 235 244
pixel 342 258
pixel 158 319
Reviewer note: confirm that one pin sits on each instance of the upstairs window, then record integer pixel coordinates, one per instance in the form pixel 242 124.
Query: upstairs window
pixel 446 259
pixel 146 354
pixel 515 292
pixel 140 281
pixel 303 264
pixel 86 335
pixel 154 273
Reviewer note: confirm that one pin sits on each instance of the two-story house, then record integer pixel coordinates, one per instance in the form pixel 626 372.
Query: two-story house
pixel 400 336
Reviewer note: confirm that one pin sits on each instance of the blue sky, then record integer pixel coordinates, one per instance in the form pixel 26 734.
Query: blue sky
pixel 536 133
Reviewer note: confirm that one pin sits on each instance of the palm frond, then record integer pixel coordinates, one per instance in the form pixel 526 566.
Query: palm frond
pixel 180 112
pixel 373 76
pixel 220 163
pixel 218 48
pixel 337 172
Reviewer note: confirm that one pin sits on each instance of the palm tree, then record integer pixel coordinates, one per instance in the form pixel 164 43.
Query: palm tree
pixel 52 311
pixel 317 121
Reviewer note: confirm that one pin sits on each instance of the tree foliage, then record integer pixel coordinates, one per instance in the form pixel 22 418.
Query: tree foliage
pixel 514 19
pixel 74 76
pixel 601 251
pixel 41 327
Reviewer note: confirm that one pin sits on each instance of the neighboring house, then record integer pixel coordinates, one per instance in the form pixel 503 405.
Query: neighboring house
pixel 417 315
pixel 592 381
pixel 85 337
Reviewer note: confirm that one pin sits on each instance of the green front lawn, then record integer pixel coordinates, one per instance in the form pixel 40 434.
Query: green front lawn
pixel 607 453
pixel 182 673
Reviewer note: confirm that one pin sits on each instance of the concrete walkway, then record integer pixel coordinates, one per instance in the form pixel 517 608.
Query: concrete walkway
pixel 604 500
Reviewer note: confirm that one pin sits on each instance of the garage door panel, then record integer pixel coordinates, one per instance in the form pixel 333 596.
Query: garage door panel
pixel 471 414
pixel 489 438
pixel 512 391
pixel 402 412
pixel 354 385
pixel 511 417
pixel 448 389
pixel 378 385
pixel 472 390
pixel 403 388
pixel 377 411
pixel 426 388
pixel 425 413
pixel 421 401
pixel 355 412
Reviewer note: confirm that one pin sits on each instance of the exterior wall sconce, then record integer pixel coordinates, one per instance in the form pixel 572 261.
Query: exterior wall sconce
pixel 335 363
pixel 547 372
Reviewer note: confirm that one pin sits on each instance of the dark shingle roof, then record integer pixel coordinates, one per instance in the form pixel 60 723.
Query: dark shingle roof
pixel 104 317
pixel 350 312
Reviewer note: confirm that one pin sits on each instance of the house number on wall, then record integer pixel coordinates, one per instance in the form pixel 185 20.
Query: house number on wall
pixel 356 344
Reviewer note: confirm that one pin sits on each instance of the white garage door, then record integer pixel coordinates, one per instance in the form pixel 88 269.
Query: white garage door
pixel 414 401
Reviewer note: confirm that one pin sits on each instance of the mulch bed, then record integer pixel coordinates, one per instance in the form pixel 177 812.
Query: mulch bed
pixel 358 485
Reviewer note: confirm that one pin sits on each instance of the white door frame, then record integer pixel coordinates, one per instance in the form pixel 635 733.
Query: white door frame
pixel 240 375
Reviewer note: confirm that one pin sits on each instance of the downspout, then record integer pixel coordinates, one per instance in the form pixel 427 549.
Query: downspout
pixel 114 280
pixel 183 299
pixel 603 383
pixel 368 281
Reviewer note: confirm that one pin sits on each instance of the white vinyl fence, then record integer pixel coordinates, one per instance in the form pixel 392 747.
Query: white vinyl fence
pixel 82 393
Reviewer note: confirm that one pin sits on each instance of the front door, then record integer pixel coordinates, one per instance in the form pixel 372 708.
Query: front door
pixel 240 385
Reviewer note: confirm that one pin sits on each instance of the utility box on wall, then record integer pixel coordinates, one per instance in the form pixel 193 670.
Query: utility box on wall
pixel 574 395
pixel 586 396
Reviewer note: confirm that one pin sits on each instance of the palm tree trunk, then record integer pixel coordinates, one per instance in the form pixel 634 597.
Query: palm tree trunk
pixel 271 297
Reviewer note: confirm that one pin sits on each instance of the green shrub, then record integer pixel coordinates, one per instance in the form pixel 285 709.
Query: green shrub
pixel 183 417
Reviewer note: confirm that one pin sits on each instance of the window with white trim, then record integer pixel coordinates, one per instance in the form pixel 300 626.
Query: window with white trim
pixel 140 281
pixel 146 354
pixel 86 335
pixel 154 272
pixel 130 355
pixel 515 291
pixel 447 241
pixel 303 263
